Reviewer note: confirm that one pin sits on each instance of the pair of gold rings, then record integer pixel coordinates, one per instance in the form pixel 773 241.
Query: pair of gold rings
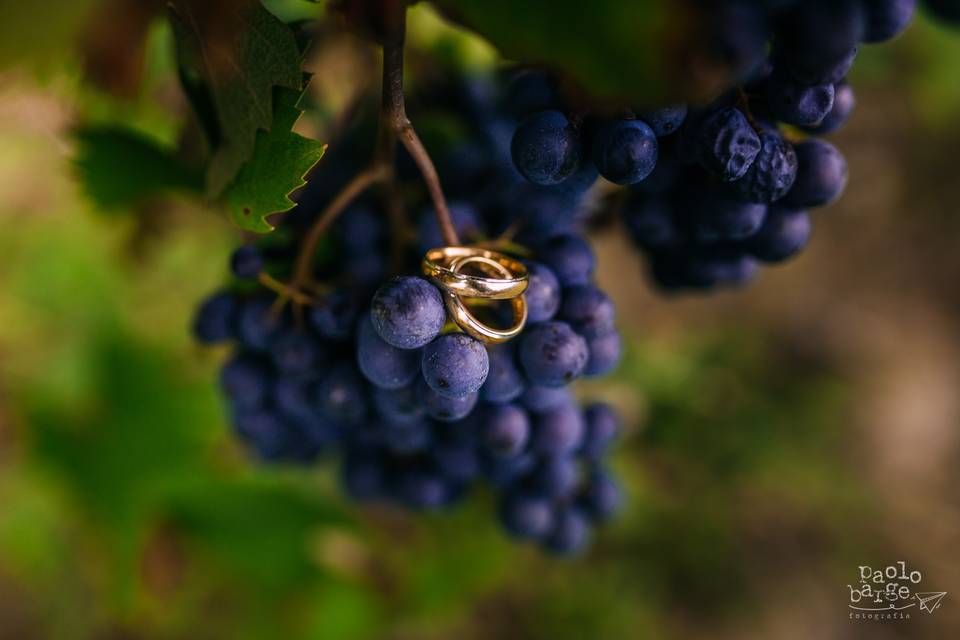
pixel 503 279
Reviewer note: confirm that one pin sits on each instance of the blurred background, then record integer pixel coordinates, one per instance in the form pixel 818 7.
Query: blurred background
pixel 777 438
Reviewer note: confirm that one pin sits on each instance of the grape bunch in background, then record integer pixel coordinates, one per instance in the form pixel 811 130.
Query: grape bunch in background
pixel 715 191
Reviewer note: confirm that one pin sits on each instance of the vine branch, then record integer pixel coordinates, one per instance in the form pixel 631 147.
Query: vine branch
pixel 394 126
pixel 393 113
pixel 360 183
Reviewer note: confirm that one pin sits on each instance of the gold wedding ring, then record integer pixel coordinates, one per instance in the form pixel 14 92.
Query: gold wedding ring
pixel 505 279
pixel 437 264
pixel 482 332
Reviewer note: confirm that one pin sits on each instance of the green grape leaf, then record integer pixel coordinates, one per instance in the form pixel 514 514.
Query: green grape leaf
pixel 118 168
pixel 230 60
pixel 609 47
pixel 281 160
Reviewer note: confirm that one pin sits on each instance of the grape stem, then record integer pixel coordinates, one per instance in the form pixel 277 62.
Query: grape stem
pixel 360 183
pixel 394 125
pixel 393 114
pixel 282 289
pixel 743 101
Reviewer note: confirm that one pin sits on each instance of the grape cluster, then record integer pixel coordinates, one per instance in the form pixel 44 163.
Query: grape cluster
pixel 716 190
pixel 373 375
pixel 450 410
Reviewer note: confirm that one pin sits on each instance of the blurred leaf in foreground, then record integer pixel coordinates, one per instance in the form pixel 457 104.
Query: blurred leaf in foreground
pixel 608 46
pixel 144 427
pixel 143 451
pixel 231 56
pixel 258 524
pixel 119 168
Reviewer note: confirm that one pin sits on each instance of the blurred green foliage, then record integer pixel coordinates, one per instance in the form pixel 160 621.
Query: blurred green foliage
pixel 121 169
pixel 42 34
pixel 230 64
pixel 597 44
pixel 127 487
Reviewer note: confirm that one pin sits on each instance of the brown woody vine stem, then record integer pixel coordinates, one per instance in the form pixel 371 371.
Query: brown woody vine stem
pixel 394 125
pixel 394 109
pixel 360 183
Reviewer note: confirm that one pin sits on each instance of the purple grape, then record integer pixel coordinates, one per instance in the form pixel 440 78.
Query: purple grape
pixel 506 430
pixel 406 438
pixel 295 353
pixel 605 351
pixel 783 235
pixel 559 431
pixel 341 396
pixel 625 151
pixel 382 364
pixel 602 428
pixel 542 294
pixel 552 354
pixel 727 144
pixel 258 324
pixel 799 104
pixel 216 317
pixel 665 120
pixel 455 365
pixel 570 258
pixel 772 173
pixel 408 312
pixel 505 381
pixel 570 533
pixel 720 216
pixel 821 175
pixel 844 102
pixel 546 148
pixel 246 262
pixel 651 223
pixel 444 408
pixel 539 399
pixel 588 310
pixel 554 478
pixel 398 405
pixel 335 316
pixel 886 19
pixel 601 497
pixel 526 517
pixel 245 381
pixel 363 476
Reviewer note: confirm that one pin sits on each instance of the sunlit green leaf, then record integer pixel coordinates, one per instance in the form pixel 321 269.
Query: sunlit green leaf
pixel 281 160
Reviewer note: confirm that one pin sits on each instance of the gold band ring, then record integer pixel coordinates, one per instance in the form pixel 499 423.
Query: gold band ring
pixel 490 266
pixel 490 335
pixel 438 264
pixel 506 279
